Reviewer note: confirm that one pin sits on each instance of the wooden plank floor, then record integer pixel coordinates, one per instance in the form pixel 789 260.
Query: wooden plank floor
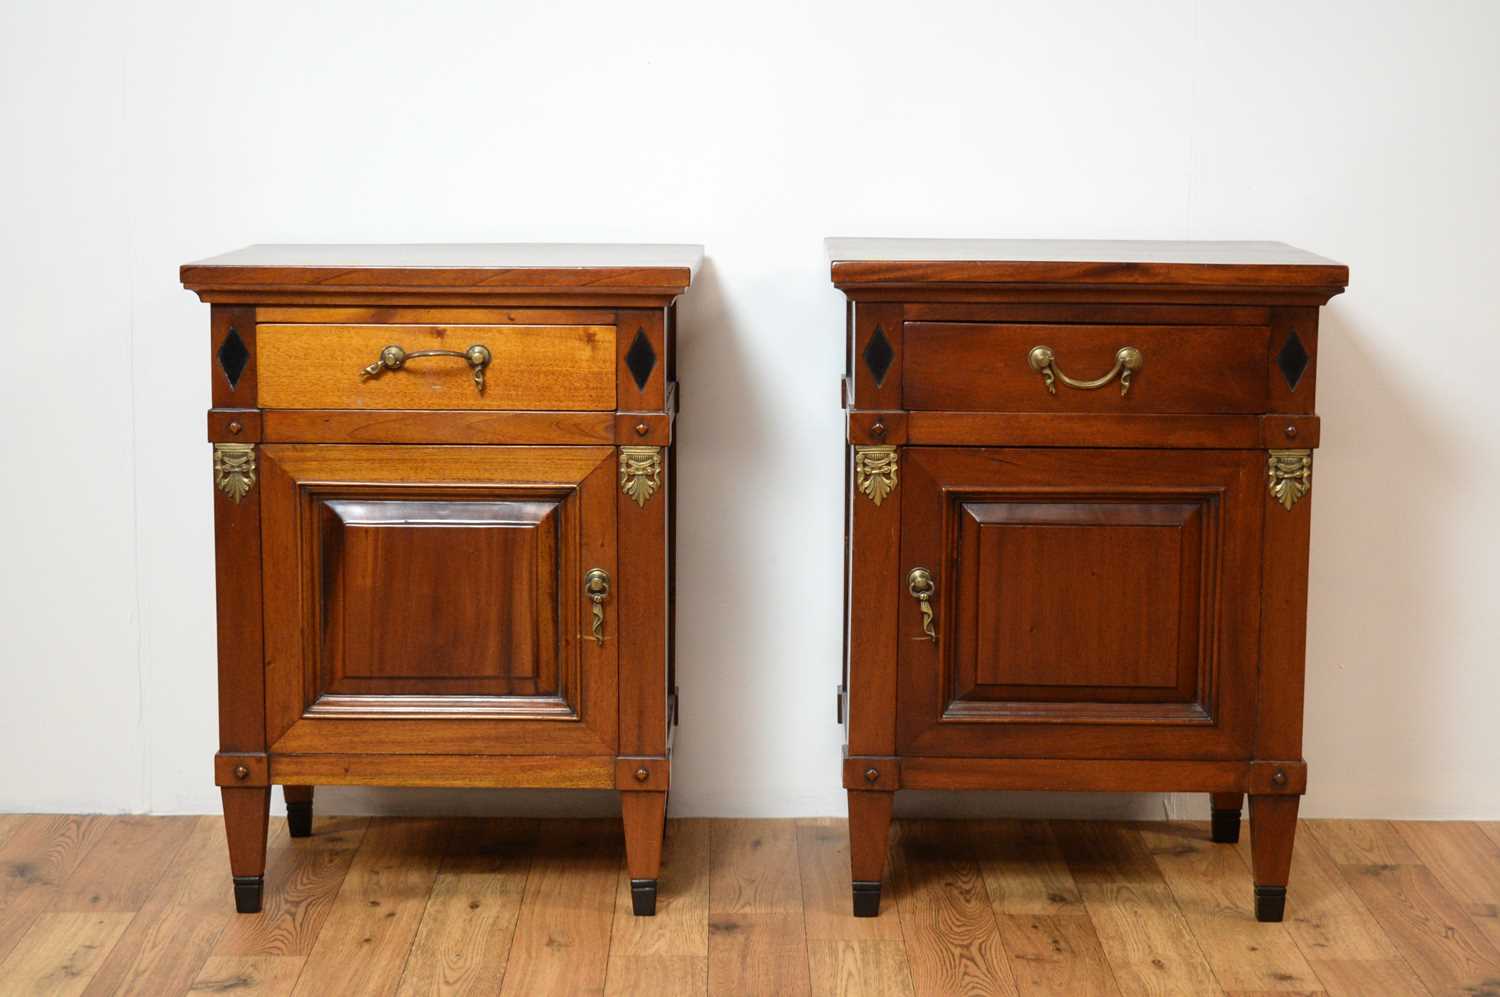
pixel 141 905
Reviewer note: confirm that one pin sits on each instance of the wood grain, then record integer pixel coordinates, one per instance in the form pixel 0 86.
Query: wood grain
pixel 952 943
pixel 1023 868
pixel 1210 885
pixel 464 940
pixel 1141 929
pixel 303 879
pixel 62 952
pixel 668 953
pixel 558 367
pixel 122 869
pixel 1467 864
pixel 757 942
pixel 365 939
pixel 1056 954
pixel 261 975
pixel 561 943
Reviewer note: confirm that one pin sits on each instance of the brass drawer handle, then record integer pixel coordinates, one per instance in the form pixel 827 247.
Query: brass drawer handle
pixel 1043 360
pixel 596 587
pixel 919 583
pixel 394 358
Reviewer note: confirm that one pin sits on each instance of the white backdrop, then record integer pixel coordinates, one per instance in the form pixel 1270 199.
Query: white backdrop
pixel 137 136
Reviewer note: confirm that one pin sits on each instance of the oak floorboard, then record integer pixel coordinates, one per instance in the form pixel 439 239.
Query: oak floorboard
pixel 303 877
pixel 1448 953
pixel 952 943
pixel 666 954
pixel 61 952
pixel 122 869
pixel 1466 862
pixel 1213 889
pixel 35 860
pixel 464 940
pixel 260 975
pixel 1023 867
pixel 871 967
pixel 757 940
pixel 364 941
pixel 561 943
pixel 1148 942
pixel 823 866
pixel 1346 947
pixel 1056 954
pixel 177 927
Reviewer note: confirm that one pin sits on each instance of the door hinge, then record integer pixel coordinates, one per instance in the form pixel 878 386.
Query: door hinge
pixel 839 705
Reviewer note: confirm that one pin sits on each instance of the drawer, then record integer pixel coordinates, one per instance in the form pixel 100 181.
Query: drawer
pixel 545 367
pixel 970 366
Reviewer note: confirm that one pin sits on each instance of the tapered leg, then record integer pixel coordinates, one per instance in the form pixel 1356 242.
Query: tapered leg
pixel 1226 817
pixel 299 801
pixel 1273 827
pixel 645 815
pixel 247 815
pixel 869 839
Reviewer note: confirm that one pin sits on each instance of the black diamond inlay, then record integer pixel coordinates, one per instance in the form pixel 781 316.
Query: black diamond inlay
pixel 640 359
pixel 233 356
pixel 1292 359
pixel 878 355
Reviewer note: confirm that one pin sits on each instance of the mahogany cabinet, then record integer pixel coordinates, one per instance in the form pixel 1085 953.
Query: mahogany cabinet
pixel 1079 488
pixel 443 506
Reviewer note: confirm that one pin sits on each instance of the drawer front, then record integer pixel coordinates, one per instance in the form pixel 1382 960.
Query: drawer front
pixel 977 367
pixel 545 367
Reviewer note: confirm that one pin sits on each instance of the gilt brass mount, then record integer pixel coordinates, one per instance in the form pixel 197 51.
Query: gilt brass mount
pixel 394 357
pixel 1290 475
pixel 234 469
pixel 919 583
pixel 1043 360
pixel 876 471
pixel 596 587
pixel 640 472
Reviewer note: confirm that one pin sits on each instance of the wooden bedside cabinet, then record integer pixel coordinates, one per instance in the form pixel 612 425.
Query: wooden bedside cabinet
pixel 1079 481
pixel 443 516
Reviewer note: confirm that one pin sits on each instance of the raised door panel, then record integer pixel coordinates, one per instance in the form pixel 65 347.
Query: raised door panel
pixel 431 599
pixel 1086 603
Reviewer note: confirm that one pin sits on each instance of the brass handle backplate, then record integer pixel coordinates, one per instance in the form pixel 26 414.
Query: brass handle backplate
pixel 596 587
pixel 919 583
pixel 1043 360
pixel 394 357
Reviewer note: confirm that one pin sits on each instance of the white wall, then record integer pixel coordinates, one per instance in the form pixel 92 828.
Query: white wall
pixel 141 135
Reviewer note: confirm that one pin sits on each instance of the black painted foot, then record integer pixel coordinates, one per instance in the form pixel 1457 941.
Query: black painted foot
pixel 247 892
pixel 1270 903
pixel 643 897
pixel 299 819
pixel 866 899
pixel 1226 826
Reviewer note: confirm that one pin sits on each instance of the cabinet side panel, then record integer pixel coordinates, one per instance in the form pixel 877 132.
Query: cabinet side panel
pixel 237 574
pixel 642 628
pixel 873 587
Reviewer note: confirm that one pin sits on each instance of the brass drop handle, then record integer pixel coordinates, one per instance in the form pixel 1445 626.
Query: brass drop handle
pixel 394 358
pixel 919 583
pixel 1043 360
pixel 596 587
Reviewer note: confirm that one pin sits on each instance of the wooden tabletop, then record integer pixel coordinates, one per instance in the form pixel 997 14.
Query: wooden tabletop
pixel 624 268
pixel 857 262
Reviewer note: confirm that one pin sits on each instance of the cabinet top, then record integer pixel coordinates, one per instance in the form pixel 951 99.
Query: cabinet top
pixel 870 262
pixel 452 269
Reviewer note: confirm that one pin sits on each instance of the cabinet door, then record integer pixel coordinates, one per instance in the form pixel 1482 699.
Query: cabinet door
pixel 1086 603
pixel 431 600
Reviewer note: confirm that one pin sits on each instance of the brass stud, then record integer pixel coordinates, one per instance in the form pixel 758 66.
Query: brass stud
pixel 235 427
pixel 641 774
pixel 241 773
pixel 1278 778
pixel 872 775
pixel 641 429
pixel 878 430
pixel 1291 432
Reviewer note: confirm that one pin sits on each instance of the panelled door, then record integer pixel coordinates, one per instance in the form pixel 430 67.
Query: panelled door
pixel 438 600
pixel 1079 603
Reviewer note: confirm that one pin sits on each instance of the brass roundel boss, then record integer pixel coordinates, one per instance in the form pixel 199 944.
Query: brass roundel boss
pixel 477 355
pixel 872 775
pixel 596 582
pixel 393 357
pixel 919 582
pixel 1278 777
pixel 641 774
pixel 241 772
